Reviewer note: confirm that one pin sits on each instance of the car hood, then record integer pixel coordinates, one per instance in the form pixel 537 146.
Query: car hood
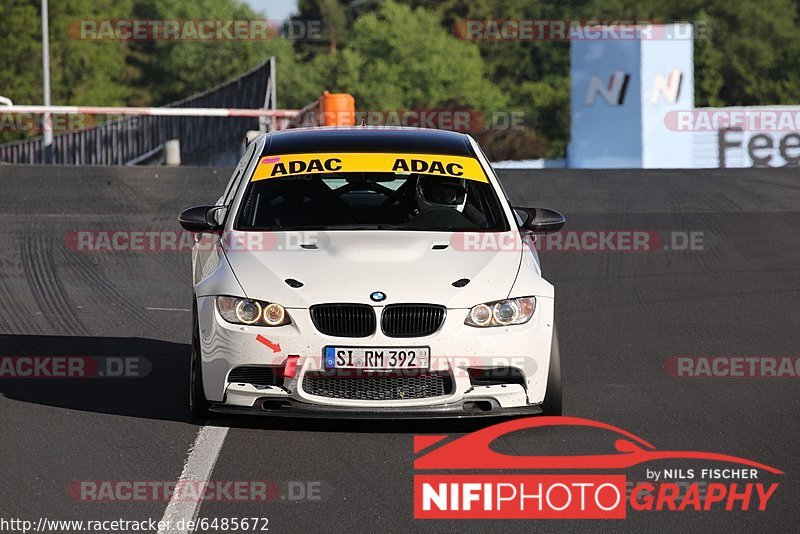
pixel 348 266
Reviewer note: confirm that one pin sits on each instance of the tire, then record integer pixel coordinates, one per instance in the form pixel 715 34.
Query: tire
pixel 198 405
pixel 552 404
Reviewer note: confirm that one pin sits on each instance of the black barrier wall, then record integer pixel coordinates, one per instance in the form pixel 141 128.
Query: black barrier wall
pixel 141 139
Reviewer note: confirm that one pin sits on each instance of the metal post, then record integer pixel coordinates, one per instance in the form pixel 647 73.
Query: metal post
pixel 273 72
pixel 266 124
pixel 48 121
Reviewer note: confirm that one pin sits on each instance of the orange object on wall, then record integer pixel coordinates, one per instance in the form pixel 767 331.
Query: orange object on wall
pixel 337 109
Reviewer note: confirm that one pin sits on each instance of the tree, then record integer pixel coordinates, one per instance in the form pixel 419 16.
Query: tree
pixel 395 55
pixel 18 48
pixel 753 51
pixel 534 75
pixel 709 62
pixel 86 71
pixel 81 71
pixel 399 58
pixel 172 70
pixel 336 17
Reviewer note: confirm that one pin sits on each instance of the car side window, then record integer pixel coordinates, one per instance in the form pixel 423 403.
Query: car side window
pixel 497 178
pixel 517 218
pixel 236 180
pixel 241 167
pixel 234 176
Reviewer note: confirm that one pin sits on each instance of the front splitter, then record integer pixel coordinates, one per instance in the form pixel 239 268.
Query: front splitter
pixel 456 410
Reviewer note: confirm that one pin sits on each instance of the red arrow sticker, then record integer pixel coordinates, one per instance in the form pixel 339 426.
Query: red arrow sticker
pixel 276 347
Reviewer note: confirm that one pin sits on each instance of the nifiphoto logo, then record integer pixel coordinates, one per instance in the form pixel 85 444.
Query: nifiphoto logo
pixel 490 484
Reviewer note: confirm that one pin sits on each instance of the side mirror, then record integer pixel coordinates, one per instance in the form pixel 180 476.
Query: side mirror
pixel 200 218
pixel 540 220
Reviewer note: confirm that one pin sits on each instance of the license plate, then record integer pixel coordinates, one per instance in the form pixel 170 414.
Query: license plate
pixel 376 357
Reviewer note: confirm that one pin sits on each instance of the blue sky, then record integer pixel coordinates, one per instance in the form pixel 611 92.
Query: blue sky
pixel 275 9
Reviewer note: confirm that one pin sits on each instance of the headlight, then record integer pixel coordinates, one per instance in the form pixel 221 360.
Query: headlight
pixel 252 312
pixel 502 312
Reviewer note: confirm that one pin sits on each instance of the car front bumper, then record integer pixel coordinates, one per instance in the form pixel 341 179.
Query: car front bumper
pixel 456 351
pixel 292 408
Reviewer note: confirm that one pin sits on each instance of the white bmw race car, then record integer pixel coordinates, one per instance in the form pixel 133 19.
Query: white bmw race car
pixel 370 272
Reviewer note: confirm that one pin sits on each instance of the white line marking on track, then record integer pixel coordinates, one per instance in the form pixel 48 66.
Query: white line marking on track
pixel 198 467
pixel 169 309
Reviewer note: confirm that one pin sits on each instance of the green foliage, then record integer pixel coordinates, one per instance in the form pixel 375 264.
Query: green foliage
pixel 172 70
pixel 753 53
pixel 19 50
pixel 399 58
pixel 110 72
pixel 709 62
pixel 18 81
pixel 396 54
pixel 548 111
pixel 750 57
pixel 81 72
pixel 87 72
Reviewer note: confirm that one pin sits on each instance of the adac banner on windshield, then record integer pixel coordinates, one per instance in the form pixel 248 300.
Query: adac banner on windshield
pixel 281 166
pixel 468 478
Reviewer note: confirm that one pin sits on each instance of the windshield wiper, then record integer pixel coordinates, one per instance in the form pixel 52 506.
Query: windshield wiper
pixel 352 227
pixel 412 228
pixel 334 227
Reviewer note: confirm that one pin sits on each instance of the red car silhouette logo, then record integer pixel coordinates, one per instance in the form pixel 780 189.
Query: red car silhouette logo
pixel 473 451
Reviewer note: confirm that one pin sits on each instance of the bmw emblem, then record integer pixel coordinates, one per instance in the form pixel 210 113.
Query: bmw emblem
pixel 378 296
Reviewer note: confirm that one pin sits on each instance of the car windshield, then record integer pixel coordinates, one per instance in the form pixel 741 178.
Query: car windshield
pixel 370 201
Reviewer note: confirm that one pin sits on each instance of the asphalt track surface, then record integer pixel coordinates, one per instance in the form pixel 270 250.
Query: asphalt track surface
pixel 621 315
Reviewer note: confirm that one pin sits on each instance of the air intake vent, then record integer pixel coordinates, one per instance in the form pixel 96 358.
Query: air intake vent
pixel 411 320
pixel 380 387
pixel 258 375
pixel 344 320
